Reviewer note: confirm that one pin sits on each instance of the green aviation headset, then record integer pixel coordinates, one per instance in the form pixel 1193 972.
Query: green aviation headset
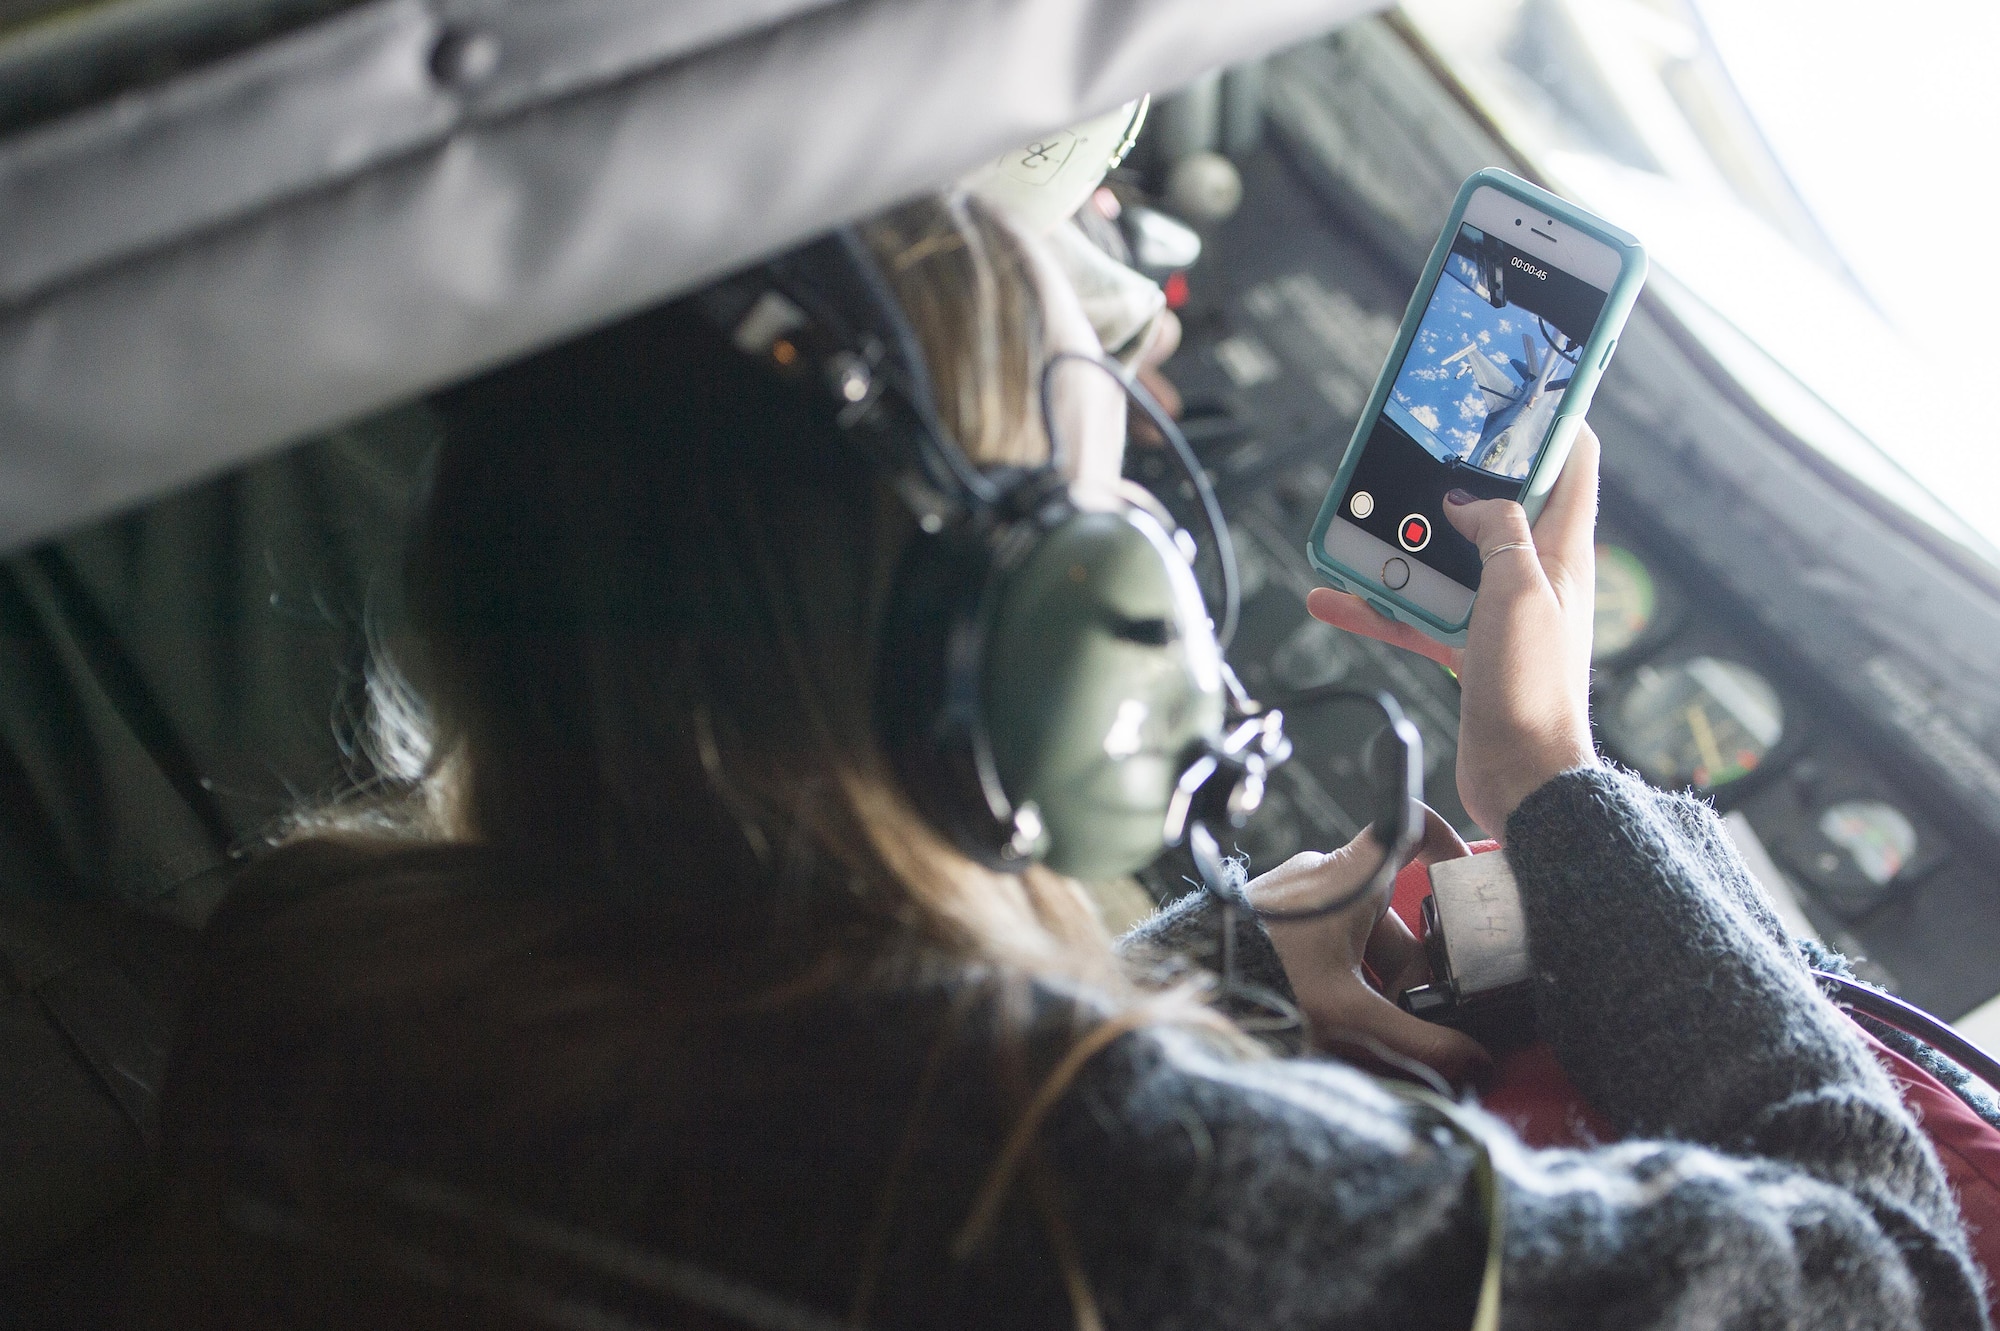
pixel 1050 685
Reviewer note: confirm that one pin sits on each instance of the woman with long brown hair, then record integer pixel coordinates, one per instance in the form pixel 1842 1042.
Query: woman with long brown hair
pixel 662 1002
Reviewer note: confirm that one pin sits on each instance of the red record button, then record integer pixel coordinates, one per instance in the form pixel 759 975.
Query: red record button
pixel 1415 532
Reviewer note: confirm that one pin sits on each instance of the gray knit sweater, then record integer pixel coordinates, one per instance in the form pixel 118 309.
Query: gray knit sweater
pixel 1772 1178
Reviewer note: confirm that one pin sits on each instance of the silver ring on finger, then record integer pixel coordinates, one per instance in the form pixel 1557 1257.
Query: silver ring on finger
pixel 1487 558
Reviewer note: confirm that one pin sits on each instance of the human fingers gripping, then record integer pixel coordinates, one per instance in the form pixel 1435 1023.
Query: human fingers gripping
pixel 1310 878
pixel 1396 955
pixel 1562 541
pixel 1524 713
pixel 1566 531
pixel 1323 954
pixel 1323 960
pixel 1367 1021
pixel 1566 535
pixel 1520 628
pixel 1441 840
pixel 1499 527
pixel 1346 611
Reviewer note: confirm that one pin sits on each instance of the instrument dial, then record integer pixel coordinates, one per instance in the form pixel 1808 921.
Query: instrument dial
pixel 1703 722
pixel 1627 602
pixel 1878 838
pixel 1852 848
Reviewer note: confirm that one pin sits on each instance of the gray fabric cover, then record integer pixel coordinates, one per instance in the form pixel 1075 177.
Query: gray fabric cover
pixel 322 226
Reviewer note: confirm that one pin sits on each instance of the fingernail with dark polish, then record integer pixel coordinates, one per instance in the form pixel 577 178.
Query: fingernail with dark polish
pixel 1460 497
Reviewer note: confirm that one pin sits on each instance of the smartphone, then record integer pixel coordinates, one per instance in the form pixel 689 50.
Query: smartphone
pixel 1512 324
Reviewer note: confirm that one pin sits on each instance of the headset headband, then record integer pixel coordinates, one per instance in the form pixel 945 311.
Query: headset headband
pixel 827 312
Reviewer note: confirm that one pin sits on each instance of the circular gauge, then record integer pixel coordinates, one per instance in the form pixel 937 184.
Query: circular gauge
pixel 1877 836
pixel 1627 601
pixel 1703 722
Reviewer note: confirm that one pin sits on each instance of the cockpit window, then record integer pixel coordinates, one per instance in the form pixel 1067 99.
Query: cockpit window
pixel 1808 182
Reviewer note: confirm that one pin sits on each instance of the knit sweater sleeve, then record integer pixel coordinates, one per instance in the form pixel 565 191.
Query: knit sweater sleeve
pixel 1230 945
pixel 1679 1008
pixel 1671 996
pixel 1280 1194
pixel 1783 1185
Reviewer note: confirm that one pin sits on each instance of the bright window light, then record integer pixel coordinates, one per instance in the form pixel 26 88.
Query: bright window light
pixel 1812 178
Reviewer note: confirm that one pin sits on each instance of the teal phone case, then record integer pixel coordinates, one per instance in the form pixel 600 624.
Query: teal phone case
pixel 1596 354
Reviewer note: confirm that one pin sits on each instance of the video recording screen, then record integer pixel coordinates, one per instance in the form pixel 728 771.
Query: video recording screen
pixel 1473 400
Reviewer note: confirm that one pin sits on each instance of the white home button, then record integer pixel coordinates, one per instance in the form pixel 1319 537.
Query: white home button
pixel 1396 574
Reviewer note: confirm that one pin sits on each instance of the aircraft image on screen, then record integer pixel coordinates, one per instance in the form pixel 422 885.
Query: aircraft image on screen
pixel 1520 404
pixel 1461 394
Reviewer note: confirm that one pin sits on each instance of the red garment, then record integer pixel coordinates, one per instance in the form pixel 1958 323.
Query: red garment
pixel 1529 1090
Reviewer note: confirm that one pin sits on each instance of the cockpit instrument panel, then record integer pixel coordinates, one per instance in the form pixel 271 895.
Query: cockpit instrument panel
pixel 1637 606
pixel 1705 722
pixel 1852 841
pixel 1626 602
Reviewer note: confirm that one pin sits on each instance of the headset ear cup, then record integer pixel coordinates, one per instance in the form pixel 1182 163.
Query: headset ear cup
pixel 1040 683
pixel 1101 675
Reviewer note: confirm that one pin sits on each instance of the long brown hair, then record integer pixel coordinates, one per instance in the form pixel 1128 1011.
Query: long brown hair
pixel 645 592
pixel 645 588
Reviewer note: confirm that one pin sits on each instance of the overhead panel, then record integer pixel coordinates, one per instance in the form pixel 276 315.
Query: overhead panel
pixel 400 194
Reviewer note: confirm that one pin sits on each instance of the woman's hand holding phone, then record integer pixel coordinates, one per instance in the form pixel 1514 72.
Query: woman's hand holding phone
pixel 1327 958
pixel 1524 711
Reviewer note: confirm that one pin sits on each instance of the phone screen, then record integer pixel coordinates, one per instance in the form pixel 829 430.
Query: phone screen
pixel 1472 402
